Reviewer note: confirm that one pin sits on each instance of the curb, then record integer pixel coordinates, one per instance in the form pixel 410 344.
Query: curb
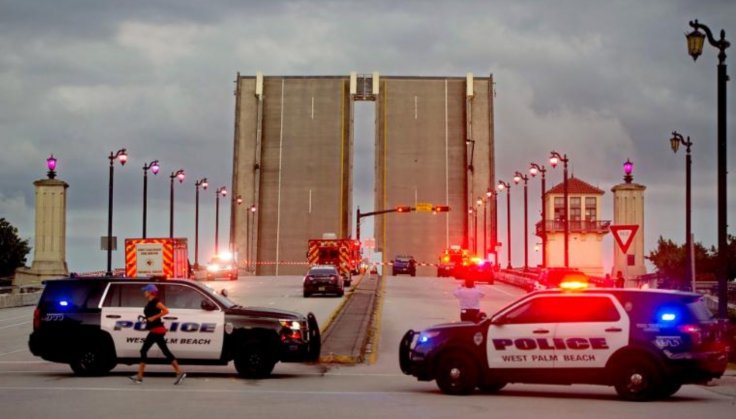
pixel 374 332
pixel 339 359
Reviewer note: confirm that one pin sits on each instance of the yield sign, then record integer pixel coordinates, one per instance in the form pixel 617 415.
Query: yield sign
pixel 624 235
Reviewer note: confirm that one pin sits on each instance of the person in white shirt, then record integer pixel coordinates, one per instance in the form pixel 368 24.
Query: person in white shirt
pixel 469 297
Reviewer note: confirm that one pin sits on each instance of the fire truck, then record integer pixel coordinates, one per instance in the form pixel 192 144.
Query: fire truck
pixel 344 254
pixel 162 257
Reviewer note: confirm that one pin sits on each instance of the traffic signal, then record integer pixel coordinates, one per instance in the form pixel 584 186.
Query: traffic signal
pixel 403 209
pixel 441 208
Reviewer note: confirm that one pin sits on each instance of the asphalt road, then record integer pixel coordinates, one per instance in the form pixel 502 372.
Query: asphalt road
pixel 32 388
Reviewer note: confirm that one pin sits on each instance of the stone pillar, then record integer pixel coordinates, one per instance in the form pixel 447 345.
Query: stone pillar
pixel 49 245
pixel 628 210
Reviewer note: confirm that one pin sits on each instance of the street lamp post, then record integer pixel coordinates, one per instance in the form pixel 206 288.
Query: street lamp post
pixel 51 164
pixel 554 159
pixel 507 187
pixel 478 203
pixel 154 167
pixel 179 174
pixel 518 177
pixel 122 156
pixel 203 183
pixel 695 41
pixel 472 212
pixel 486 204
pixel 534 169
pixel 248 233
pixel 237 201
pixel 220 191
pixel 675 142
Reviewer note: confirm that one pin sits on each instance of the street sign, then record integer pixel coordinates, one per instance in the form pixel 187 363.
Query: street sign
pixel 423 207
pixel 624 235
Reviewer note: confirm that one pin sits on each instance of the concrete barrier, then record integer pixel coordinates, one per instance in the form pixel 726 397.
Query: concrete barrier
pixel 19 298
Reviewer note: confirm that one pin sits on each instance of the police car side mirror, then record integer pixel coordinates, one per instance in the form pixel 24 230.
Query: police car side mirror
pixel 223 292
pixel 208 305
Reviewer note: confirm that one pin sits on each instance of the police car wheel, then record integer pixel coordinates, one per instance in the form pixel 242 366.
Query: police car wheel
pixel 306 294
pixel 669 389
pixel 456 374
pixel 254 362
pixel 638 380
pixel 491 388
pixel 91 361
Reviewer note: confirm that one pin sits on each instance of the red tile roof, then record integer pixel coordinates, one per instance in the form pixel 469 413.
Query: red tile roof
pixel 575 186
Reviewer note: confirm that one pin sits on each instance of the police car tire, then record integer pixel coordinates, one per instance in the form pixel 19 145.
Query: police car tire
pixel 669 389
pixel 638 379
pixel 306 294
pixel 457 374
pixel 253 361
pixel 92 360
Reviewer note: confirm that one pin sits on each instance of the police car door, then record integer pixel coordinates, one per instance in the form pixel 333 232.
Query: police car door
pixel 121 305
pixel 521 336
pixel 193 331
pixel 593 328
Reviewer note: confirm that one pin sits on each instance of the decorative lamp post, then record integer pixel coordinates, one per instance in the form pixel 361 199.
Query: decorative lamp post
pixel 675 142
pixel 486 202
pixel 535 169
pixel 179 174
pixel 554 159
pixel 628 169
pixel 478 204
pixel 51 164
pixel 695 42
pixel 473 213
pixel 248 233
pixel 203 183
pixel 471 143
pixel 154 167
pixel 507 187
pixel 220 191
pixel 122 156
pixel 518 177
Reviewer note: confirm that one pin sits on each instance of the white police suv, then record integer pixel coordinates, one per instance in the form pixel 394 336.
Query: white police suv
pixel 645 343
pixel 92 324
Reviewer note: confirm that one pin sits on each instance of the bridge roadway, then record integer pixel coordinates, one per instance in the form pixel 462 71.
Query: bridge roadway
pixel 32 388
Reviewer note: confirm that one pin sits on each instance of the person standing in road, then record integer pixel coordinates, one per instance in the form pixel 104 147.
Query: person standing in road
pixel 620 279
pixel 469 297
pixel 154 311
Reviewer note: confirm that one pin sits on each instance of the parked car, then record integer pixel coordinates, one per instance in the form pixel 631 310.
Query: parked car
pixel 404 265
pixel 323 279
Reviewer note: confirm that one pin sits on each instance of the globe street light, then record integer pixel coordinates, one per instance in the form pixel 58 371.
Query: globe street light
pixel 203 183
pixel 534 169
pixel 51 164
pixel 695 41
pixel 675 142
pixel 122 156
pixel 507 187
pixel 154 167
pixel 179 174
pixel 518 177
pixel 554 159
pixel 220 191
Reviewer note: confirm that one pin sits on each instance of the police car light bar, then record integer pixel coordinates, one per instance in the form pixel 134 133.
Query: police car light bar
pixel 574 285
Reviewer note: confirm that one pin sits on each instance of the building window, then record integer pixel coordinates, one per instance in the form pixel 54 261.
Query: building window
pixel 575 210
pixel 559 207
pixel 590 208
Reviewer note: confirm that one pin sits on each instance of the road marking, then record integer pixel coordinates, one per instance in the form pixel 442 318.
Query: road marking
pixel 148 389
pixel 12 352
pixel 14 325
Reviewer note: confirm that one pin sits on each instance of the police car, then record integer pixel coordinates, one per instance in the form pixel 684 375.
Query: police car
pixel 645 343
pixel 93 325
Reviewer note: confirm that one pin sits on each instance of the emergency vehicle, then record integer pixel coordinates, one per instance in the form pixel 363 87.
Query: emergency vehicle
pixel 162 257
pixel 645 343
pixel 452 260
pixel 344 254
pixel 93 324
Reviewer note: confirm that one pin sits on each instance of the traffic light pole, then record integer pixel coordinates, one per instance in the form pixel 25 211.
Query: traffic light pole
pixel 370 214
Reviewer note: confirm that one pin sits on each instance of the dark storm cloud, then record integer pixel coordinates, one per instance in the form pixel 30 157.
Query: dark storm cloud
pixel 601 81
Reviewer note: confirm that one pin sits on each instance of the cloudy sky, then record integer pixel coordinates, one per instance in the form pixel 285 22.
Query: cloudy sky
pixel 602 81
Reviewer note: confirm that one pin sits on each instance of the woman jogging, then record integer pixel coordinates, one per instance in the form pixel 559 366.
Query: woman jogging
pixel 154 311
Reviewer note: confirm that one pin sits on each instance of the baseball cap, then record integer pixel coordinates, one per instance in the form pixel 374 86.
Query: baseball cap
pixel 150 288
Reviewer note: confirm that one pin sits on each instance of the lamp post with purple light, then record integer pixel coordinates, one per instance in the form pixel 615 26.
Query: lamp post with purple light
pixel 121 156
pixel 695 42
pixel 203 183
pixel 518 177
pixel 179 174
pixel 220 191
pixel 154 167
pixel 503 186
pixel 51 164
pixel 554 159
pixel 535 169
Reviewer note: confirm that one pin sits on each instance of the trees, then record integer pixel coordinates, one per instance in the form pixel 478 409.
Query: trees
pixel 669 258
pixel 13 250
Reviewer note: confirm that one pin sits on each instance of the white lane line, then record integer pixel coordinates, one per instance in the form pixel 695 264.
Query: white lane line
pixel 148 389
pixel 14 325
pixel 12 352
